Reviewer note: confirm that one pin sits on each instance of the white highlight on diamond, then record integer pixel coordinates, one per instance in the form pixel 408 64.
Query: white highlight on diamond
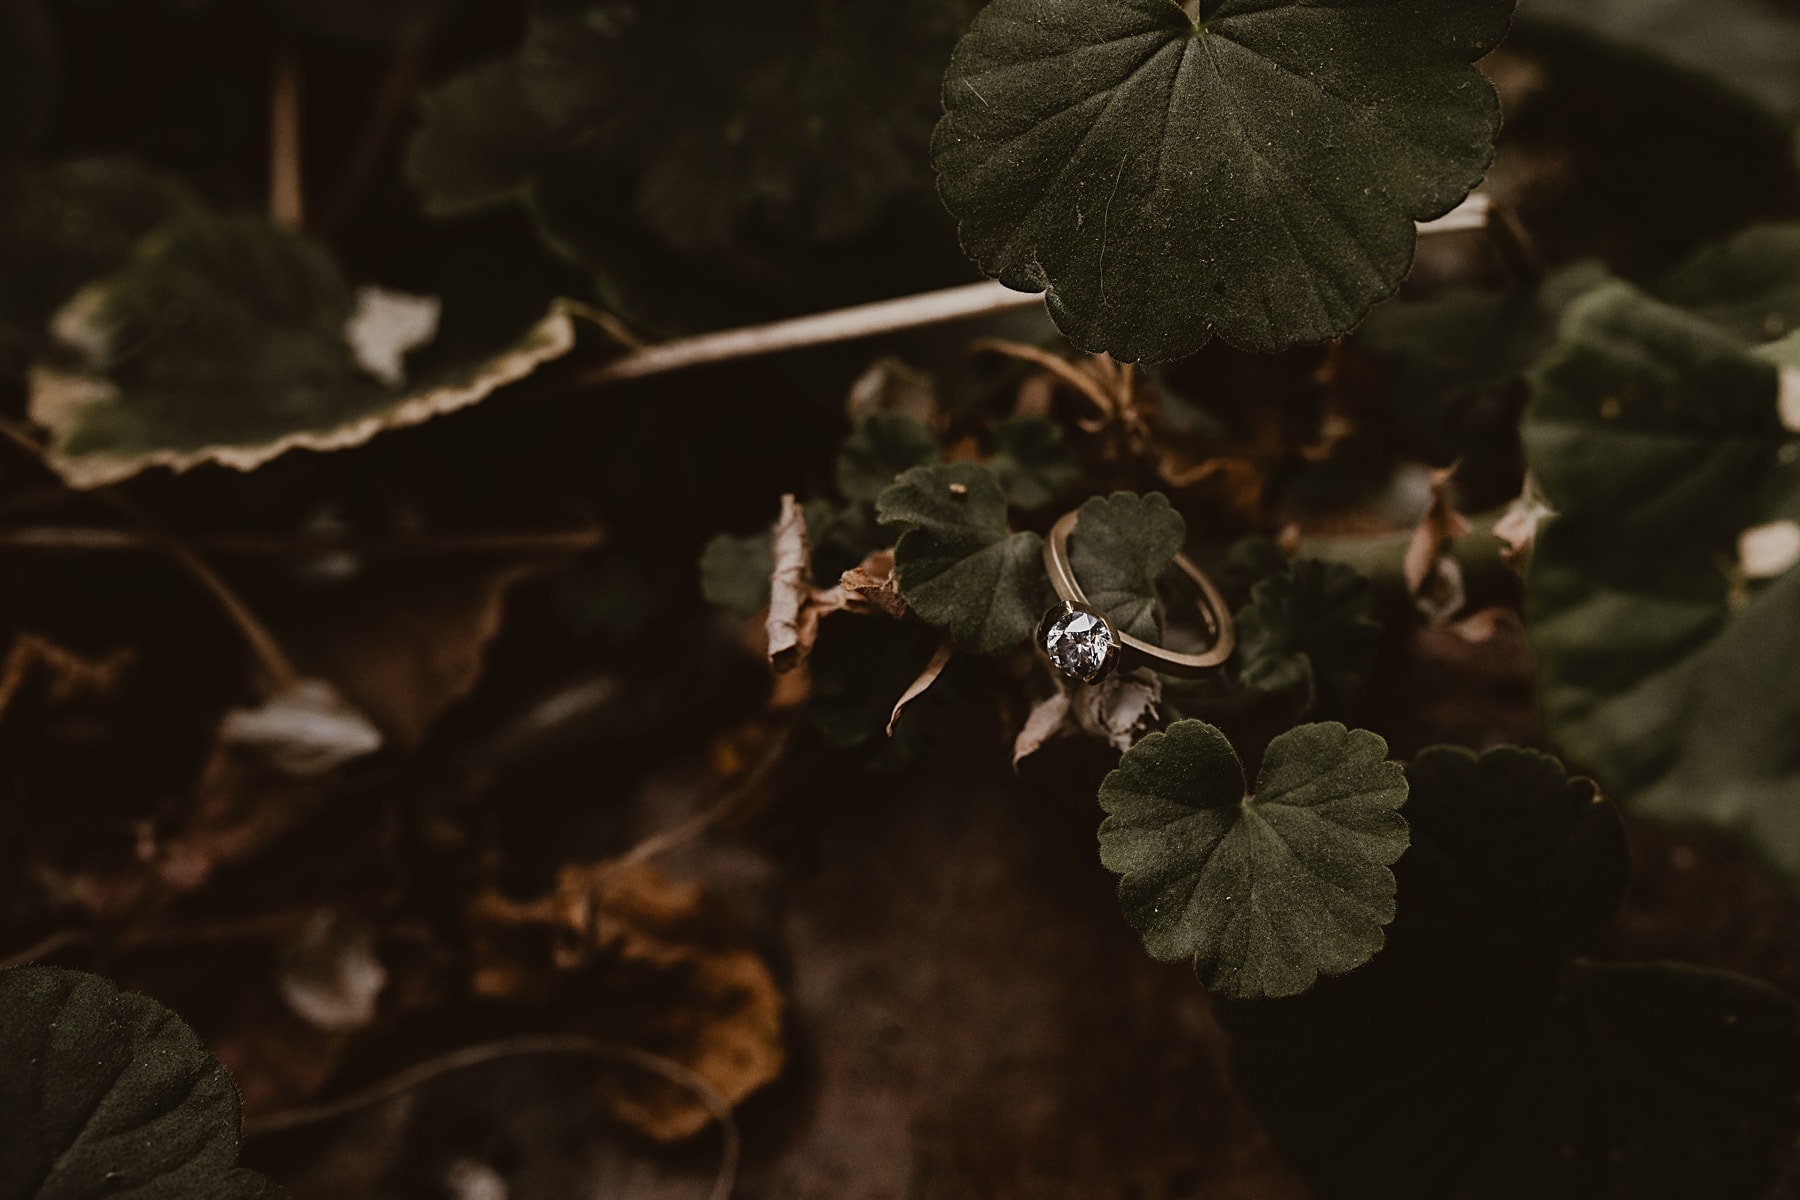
pixel 1078 644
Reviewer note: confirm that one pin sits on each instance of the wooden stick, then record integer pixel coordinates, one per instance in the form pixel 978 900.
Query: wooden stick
pixel 287 202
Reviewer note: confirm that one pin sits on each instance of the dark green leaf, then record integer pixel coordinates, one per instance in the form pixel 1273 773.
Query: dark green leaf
pixel 1749 46
pixel 957 565
pixel 1121 546
pixel 63 227
pixel 108 1095
pixel 224 340
pixel 1477 1057
pixel 479 144
pixel 882 447
pixel 1748 286
pixel 1257 174
pixel 1265 891
pixel 1034 461
pixel 1655 437
pixel 734 572
pixel 1307 633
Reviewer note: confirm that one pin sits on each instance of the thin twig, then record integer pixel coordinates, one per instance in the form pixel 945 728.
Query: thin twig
pixel 886 316
pixel 473 1056
pixel 275 662
pixel 99 540
pixel 661 843
pixel 287 202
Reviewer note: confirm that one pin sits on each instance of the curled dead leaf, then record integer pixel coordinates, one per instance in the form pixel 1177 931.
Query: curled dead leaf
pixel 1048 719
pixel 1518 525
pixel 1433 576
pixel 873 587
pixel 793 621
pixel 939 660
pixel 304 732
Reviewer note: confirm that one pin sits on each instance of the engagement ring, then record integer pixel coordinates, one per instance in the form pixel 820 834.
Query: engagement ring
pixel 1082 643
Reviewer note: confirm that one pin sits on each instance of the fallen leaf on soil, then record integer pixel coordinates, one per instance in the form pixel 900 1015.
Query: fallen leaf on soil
pixel 716 1008
pixel 305 732
pixel 890 386
pixel 69 673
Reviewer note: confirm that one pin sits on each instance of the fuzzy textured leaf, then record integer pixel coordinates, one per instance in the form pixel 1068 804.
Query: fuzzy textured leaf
pixel 958 566
pixel 882 447
pixel 1655 436
pixel 1256 174
pixel 224 340
pixel 1308 633
pixel 1121 546
pixel 108 1094
pixel 1269 890
pixel 1478 1056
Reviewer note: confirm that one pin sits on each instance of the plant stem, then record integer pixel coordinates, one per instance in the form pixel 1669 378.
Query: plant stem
pixel 287 203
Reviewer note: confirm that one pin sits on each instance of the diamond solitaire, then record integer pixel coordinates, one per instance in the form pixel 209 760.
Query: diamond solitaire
pixel 1079 642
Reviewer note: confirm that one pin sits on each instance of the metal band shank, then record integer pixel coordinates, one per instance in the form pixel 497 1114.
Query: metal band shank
pixel 1133 652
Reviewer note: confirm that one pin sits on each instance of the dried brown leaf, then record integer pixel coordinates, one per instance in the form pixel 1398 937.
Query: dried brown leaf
pixel 1433 576
pixel 873 586
pixel 1049 718
pixel 939 660
pixel 69 674
pixel 1518 525
pixel 793 621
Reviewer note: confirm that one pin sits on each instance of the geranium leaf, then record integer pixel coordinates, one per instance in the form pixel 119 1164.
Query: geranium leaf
pixel 226 340
pixel 1307 633
pixel 882 446
pixel 1478 1056
pixel 478 145
pixel 108 1094
pixel 1655 436
pixel 1121 546
pixel 1266 891
pixel 1256 174
pixel 734 572
pixel 1034 461
pixel 957 565
pixel 63 227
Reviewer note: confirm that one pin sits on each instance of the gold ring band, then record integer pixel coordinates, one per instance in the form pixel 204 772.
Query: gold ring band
pixel 1082 642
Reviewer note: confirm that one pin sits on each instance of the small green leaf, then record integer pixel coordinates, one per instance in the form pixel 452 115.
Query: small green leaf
pixel 957 565
pixel 1121 546
pixel 108 1095
pixel 1655 437
pixel 734 572
pixel 882 447
pixel 1265 891
pixel 478 145
pixel 1034 461
pixel 1256 174
pixel 1307 633
pixel 1478 1056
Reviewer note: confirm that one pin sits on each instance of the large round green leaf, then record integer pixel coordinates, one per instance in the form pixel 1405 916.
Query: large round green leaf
pixel 1256 174
pixel 1656 436
pixel 1479 1057
pixel 107 1094
pixel 1265 891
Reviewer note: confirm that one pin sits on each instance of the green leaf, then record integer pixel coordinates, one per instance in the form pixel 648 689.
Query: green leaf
pixel 225 340
pixel 882 446
pixel 1265 891
pixel 1655 437
pixel 63 227
pixel 1121 546
pixel 957 565
pixel 478 145
pixel 1479 1057
pixel 1748 46
pixel 1307 633
pixel 1749 285
pixel 1034 461
pixel 1257 174
pixel 734 572
pixel 107 1094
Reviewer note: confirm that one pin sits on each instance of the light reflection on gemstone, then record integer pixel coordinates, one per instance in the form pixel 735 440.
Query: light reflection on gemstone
pixel 1079 645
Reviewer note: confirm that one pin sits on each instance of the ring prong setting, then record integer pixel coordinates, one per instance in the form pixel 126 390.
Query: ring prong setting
pixel 1080 642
